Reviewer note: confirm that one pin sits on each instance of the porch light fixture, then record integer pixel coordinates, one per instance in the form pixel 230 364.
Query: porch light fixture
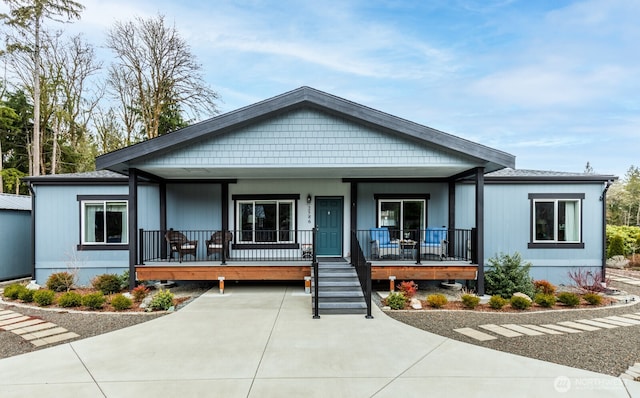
pixel 309 198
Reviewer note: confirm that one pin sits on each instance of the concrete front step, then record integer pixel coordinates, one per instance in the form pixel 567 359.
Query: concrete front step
pixel 342 308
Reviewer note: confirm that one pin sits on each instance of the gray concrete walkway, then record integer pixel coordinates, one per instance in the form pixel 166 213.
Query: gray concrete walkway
pixel 263 342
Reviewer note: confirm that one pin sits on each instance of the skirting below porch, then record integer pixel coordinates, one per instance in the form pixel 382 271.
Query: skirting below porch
pixel 297 271
pixel 229 272
pixel 425 272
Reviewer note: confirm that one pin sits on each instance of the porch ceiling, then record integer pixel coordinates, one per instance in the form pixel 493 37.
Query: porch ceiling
pixel 279 172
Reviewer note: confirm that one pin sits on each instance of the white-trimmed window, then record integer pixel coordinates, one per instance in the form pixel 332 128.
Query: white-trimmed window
pixel 404 218
pixel 104 222
pixel 266 221
pixel 556 219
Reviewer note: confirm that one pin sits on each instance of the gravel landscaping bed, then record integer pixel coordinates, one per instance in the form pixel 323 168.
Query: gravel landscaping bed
pixel 608 351
pixel 87 324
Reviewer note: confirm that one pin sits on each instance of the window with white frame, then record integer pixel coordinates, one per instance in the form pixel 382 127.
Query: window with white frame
pixel 266 221
pixel 556 218
pixel 404 218
pixel 104 222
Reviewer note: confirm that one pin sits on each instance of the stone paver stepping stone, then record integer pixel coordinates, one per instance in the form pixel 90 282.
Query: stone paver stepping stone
pixel 500 330
pixel 9 316
pixel 43 333
pixel 632 316
pixel 623 319
pixel 475 334
pixel 597 324
pixel 34 328
pixel 523 329
pixel 613 322
pixel 54 339
pixel 543 329
pixel 13 321
pixel 23 324
pixel 5 312
pixel 581 326
pixel 561 328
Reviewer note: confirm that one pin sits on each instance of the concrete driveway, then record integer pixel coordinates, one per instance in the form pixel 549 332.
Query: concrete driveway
pixel 263 342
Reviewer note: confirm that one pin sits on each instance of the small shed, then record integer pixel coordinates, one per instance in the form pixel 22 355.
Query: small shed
pixel 15 236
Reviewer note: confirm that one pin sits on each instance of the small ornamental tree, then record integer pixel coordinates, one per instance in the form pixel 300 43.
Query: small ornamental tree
pixel 508 275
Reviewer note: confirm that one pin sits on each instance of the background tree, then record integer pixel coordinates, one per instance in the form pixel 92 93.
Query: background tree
pixel 623 199
pixel 158 64
pixel 27 17
pixel 70 64
pixel 109 133
pixel 14 138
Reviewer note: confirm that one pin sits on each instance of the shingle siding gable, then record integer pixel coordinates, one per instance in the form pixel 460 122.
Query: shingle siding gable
pixel 305 138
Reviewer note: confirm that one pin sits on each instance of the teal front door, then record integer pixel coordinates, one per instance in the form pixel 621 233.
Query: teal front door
pixel 329 223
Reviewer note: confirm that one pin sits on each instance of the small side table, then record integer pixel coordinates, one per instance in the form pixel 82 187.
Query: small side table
pixel 407 249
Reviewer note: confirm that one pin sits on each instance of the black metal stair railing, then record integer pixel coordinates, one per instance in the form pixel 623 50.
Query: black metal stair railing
pixel 363 269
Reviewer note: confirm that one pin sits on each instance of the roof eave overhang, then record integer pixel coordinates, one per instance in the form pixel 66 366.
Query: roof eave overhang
pixel 120 160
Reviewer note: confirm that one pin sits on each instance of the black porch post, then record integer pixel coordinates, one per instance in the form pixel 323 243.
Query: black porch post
pixel 224 193
pixel 480 227
pixel 162 193
pixel 354 206
pixel 133 226
pixel 451 225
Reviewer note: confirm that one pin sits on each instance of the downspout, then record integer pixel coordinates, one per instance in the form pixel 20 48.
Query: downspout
pixel 33 231
pixel 603 199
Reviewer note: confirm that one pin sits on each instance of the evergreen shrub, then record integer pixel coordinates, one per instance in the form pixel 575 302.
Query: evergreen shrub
pixel 106 283
pixel 508 275
pixel 121 303
pixel 437 300
pixel 44 297
pixel 60 281
pixel 70 299
pixel 520 303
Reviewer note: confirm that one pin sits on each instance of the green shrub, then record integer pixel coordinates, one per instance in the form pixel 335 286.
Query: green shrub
pixel 106 283
pixel 437 300
pixel 520 303
pixel 13 291
pixel 545 300
pixel 139 293
pixel 121 303
pixel 124 280
pixel 396 301
pixel 470 301
pixel 592 298
pixel 507 275
pixel 161 301
pixel 60 282
pixel 70 299
pixel 94 301
pixel 44 297
pixel 616 246
pixel 569 299
pixel 544 287
pixel 497 302
pixel 26 295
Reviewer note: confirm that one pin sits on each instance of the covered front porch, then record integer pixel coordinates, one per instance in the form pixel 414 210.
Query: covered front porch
pixel 212 255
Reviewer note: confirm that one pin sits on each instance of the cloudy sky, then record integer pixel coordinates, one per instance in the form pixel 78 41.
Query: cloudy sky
pixel 555 83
